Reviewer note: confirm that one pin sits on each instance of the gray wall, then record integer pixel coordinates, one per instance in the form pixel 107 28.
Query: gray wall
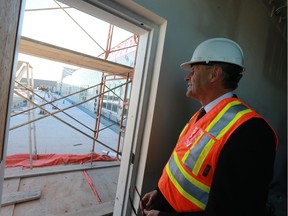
pixel 263 85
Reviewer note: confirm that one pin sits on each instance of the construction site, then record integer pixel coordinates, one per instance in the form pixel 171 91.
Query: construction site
pixel 92 110
pixel 93 100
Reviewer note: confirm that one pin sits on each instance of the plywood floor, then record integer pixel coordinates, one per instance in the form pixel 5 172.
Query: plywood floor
pixel 65 190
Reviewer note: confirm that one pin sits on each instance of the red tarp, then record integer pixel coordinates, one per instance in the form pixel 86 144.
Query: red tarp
pixel 23 160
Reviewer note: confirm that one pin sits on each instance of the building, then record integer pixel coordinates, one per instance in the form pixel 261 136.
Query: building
pixel 168 31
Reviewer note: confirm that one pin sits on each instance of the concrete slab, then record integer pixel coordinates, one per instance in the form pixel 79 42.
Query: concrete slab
pixel 66 193
pixel 10 186
pixel 53 136
pixel 104 209
pixel 64 189
pixel 105 182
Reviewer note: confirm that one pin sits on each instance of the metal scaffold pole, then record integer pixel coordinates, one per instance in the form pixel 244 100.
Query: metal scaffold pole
pixel 33 117
pixel 31 125
pixel 98 114
pixel 29 119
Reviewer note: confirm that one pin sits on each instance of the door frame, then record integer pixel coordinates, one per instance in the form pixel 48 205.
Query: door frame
pixel 11 20
pixel 151 28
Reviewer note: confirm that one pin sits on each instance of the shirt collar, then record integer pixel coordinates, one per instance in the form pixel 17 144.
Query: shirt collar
pixel 213 103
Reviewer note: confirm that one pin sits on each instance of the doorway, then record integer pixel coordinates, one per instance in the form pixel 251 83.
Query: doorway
pixel 142 81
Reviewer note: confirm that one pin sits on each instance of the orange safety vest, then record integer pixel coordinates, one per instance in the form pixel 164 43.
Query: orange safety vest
pixel 187 176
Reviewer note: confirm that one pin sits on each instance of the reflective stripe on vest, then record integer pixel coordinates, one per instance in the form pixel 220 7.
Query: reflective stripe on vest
pixel 187 185
pixel 217 128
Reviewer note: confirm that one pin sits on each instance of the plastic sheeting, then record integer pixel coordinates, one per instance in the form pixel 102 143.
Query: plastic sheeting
pixel 23 160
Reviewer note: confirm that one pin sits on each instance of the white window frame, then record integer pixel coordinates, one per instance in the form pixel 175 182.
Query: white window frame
pixel 144 89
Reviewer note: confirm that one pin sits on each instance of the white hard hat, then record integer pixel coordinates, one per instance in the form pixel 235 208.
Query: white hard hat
pixel 216 50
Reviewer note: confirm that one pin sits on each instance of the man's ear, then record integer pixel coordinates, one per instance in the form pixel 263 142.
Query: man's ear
pixel 216 73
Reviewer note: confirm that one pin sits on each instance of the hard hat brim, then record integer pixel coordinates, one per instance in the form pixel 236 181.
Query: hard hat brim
pixel 188 65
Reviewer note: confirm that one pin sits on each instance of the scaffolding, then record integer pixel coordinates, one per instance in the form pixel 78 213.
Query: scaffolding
pixel 125 74
pixel 24 91
pixel 32 105
pixel 125 105
pixel 102 62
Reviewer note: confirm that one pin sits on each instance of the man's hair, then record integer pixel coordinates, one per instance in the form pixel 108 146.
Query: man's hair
pixel 231 74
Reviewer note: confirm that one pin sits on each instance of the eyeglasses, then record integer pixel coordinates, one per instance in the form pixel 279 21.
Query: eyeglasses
pixel 131 202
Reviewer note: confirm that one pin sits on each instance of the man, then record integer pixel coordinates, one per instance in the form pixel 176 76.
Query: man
pixel 222 163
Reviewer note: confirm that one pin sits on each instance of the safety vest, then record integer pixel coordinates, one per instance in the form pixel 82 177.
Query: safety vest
pixel 187 176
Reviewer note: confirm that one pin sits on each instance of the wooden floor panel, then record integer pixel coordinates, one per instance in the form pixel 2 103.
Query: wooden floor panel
pixel 64 193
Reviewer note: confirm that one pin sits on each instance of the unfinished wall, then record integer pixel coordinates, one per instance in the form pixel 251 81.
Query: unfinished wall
pixel 263 85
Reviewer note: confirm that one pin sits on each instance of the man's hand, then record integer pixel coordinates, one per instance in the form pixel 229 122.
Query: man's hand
pixel 151 212
pixel 147 201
